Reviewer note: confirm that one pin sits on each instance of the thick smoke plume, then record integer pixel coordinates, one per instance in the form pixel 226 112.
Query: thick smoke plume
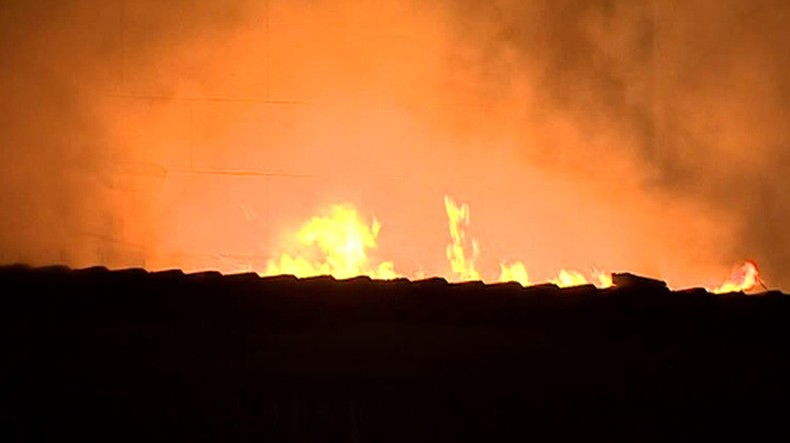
pixel 693 94
pixel 643 136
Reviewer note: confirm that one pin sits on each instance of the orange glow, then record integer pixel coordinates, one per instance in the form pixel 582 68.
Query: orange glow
pixel 342 240
pixel 569 278
pixel 603 279
pixel 199 132
pixel 743 278
pixel 515 272
pixel 390 118
pixel 463 268
pixel 458 219
pixel 338 244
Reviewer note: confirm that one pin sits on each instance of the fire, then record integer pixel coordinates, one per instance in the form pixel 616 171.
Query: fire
pixel 343 240
pixel 569 278
pixel 743 278
pixel 338 245
pixel 458 220
pixel 464 267
pixel 515 272
pixel 604 279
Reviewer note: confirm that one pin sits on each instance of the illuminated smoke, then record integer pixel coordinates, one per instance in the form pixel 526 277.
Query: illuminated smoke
pixel 643 136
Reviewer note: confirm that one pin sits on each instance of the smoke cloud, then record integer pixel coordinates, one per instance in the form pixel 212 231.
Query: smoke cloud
pixel 693 94
pixel 642 136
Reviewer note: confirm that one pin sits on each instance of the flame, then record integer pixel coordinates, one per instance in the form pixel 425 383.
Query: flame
pixel 464 268
pixel 604 279
pixel 569 278
pixel 343 240
pixel 515 272
pixel 458 220
pixel 743 278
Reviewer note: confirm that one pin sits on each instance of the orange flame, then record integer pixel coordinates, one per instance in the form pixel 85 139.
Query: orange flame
pixel 743 278
pixel 464 267
pixel 339 244
pixel 343 240
pixel 517 272
pixel 458 220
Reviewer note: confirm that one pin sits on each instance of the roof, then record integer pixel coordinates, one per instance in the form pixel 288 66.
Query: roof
pixel 129 354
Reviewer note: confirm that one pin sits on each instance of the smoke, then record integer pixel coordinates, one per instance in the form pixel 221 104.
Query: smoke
pixel 642 136
pixel 693 95
pixel 58 157
pixel 48 168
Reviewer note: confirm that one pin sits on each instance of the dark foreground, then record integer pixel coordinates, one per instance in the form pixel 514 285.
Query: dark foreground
pixel 136 356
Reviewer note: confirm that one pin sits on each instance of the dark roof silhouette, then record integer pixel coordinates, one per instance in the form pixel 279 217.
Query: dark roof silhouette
pixel 130 355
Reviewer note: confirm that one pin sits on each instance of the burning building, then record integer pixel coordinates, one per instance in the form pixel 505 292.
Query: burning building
pixel 536 142
pixel 646 137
